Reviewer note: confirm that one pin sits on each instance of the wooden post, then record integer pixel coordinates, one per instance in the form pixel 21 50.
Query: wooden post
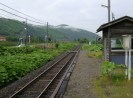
pixel 105 45
pixel 108 46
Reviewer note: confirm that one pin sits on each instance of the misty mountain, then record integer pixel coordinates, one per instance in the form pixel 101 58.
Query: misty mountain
pixel 14 29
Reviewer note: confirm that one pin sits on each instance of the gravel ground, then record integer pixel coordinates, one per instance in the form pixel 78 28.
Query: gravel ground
pixel 80 84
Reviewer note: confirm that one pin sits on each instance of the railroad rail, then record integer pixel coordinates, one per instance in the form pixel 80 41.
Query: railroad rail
pixel 47 83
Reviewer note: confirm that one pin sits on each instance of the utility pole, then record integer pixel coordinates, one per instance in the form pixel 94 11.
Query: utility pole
pixel 47 34
pixel 109 10
pixel 26 31
pixel 29 39
pixel 108 7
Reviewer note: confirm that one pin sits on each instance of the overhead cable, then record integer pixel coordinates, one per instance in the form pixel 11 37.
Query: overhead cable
pixel 20 12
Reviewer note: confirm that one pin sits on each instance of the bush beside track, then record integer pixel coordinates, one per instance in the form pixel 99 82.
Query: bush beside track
pixel 17 62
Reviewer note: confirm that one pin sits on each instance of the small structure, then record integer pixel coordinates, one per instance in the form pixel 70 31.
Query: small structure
pixel 2 38
pixel 120 33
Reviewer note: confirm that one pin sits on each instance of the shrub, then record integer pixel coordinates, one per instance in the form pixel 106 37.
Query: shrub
pixel 93 50
pixel 107 67
pixel 113 71
pixel 57 45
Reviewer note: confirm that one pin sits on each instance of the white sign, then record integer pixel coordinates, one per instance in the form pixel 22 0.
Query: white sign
pixel 126 41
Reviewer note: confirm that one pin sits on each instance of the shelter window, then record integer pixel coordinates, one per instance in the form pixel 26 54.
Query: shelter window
pixel 116 43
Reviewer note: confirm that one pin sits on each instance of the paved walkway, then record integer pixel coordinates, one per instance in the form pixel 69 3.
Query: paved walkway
pixel 80 84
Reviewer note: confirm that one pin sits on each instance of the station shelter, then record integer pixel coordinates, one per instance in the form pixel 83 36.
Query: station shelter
pixel 118 41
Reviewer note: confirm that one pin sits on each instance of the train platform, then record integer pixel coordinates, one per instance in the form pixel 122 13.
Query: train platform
pixel 80 83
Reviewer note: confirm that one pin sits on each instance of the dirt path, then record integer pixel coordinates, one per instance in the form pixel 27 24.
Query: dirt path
pixel 80 83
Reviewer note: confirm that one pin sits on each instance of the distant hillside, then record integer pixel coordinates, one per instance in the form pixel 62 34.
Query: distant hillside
pixel 14 30
pixel 75 33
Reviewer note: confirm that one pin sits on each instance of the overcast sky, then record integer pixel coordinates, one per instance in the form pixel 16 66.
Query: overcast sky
pixel 85 14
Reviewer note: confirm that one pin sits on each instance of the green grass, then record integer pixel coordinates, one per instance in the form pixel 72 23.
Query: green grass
pixel 85 47
pixel 107 88
pixel 113 84
pixel 95 54
pixel 93 50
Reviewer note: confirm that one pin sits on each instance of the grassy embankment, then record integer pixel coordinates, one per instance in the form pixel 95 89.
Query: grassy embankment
pixel 16 62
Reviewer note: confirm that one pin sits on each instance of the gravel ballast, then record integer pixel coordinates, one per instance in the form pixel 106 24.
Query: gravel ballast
pixel 80 83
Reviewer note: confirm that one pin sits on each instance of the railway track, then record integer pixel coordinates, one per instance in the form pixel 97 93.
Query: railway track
pixel 47 84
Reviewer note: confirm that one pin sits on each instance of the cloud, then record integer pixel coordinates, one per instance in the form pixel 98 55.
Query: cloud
pixel 86 14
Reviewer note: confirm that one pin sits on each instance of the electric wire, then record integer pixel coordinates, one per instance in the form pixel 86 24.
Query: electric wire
pixel 20 12
pixel 20 16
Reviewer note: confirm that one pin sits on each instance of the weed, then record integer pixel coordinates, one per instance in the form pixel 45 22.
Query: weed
pixel 112 83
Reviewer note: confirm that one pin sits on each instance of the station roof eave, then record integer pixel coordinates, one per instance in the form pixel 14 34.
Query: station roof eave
pixel 109 24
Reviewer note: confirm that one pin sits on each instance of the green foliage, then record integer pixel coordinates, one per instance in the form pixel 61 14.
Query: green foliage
pixel 18 50
pixel 3 75
pixel 112 83
pixel 17 62
pixel 57 45
pixel 9 27
pixel 66 46
pixel 95 47
pixel 12 38
pixel 15 50
pixel 2 50
pixel 85 47
pixel 107 67
pixel 18 66
pixel 84 40
pixel 93 50
pixel 113 71
pixel 7 43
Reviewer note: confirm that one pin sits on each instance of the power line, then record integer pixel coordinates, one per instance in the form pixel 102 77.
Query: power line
pixel 5 16
pixel 20 12
pixel 21 16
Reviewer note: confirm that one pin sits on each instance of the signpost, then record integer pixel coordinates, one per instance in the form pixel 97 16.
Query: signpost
pixel 127 47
